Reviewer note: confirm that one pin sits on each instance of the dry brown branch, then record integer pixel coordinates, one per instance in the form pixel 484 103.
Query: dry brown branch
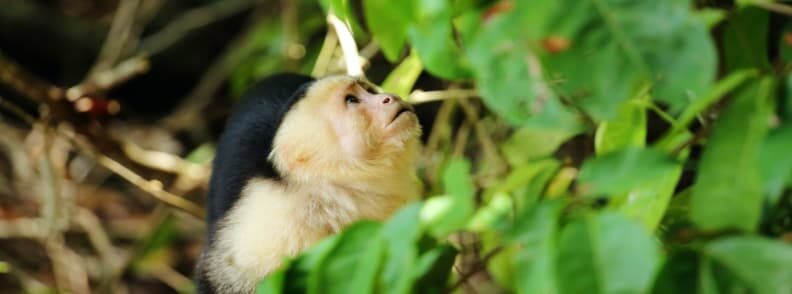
pixel 774 7
pixel 107 79
pixel 191 20
pixel 189 110
pixel 26 83
pixel 153 187
pixel 70 275
pixel 325 56
pixel 484 139
pixel 118 36
pixel 30 228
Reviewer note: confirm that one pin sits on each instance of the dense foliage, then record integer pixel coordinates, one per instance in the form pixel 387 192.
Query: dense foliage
pixel 689 109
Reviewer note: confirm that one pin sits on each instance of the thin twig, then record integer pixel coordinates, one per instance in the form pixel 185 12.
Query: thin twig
pixel 26 83
pixel 419 96
pixel 325 54
pixel 191 20
pixel 189 110
pixel 109 78
pixel 482 266
pixel 117 37
pixel 774 7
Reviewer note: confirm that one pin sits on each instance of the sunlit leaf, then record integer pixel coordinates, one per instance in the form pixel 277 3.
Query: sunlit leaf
pixel 446 214
pixel 401 80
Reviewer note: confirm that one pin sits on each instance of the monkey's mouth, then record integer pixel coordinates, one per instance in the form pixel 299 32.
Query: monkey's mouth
pixel 402 110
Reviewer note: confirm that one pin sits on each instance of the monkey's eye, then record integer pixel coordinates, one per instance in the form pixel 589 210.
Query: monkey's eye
pixel 351 99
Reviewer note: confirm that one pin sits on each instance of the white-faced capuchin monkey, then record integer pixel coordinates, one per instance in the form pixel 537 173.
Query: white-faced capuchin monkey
pixel 299 160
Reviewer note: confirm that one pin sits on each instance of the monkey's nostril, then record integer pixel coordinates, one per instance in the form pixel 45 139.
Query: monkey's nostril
pixel 386 100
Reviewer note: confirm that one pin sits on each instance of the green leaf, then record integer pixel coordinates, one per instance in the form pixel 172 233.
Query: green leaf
pixel 387 21
pixel 445 214
pixel 526 181
pixel 616 47
pixel 606 253
pixel 716 92
pixel 274 282
pixel 728 189
pixel 402 79
pixel 617 172
pixel 776 162
pixel 431 34
pixel 499 55
pixel 710 16
pixel 745 39
pixel 434 269
pixel 401 234
pixel 535 232
pixel 626 129
pixel 534 142
pixel 762 265
pixel 355 260
pixel 495 211
pixel 647 203
pixel 202 154
pixel 680 273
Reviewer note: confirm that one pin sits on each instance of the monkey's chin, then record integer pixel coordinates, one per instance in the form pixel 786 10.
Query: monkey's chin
pixel 404 128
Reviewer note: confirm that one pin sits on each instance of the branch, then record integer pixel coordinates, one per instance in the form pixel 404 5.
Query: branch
pixel 348 46
pixel 117 37
pixel 419 96
pixel 191 20
pixel 109 78
pixel 774 7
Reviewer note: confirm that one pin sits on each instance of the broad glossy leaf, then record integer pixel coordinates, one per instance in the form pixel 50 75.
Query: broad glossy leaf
pixel 617 172
pixel 445 214
pixel 535 231
pixel 388 21
pixel 745 39
pixel 354 260
pixel 431 34
pixel 533 142
pixel 526 181
pixel 499 54
pixel 606 253
pixel 647 203
pixel 626 129
pixel 776 162
pixel 614 47
pixel 728 189
pixel 762 265
pixel 401 234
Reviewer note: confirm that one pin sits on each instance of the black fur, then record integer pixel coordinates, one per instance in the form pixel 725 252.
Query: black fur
pixel 245 145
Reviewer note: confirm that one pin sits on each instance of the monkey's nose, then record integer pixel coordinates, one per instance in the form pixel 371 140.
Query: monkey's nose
pixel 390 99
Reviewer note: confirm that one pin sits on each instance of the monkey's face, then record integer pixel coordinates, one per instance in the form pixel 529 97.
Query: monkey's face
pixel 343 130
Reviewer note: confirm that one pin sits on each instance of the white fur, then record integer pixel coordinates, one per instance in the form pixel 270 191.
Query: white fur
pixel 339 164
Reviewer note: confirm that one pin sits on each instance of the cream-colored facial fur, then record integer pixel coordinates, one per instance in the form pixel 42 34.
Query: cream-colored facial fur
pixel 341 162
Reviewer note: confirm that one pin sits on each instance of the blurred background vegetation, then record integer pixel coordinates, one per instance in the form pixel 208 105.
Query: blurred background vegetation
pixel 574 146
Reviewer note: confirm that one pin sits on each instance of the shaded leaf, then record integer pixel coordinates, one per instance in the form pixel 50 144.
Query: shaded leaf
pixel 606 253
pixel 618 172
pixel 728 190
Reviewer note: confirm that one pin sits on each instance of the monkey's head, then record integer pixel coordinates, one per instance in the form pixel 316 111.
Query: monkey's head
pixel 343 130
